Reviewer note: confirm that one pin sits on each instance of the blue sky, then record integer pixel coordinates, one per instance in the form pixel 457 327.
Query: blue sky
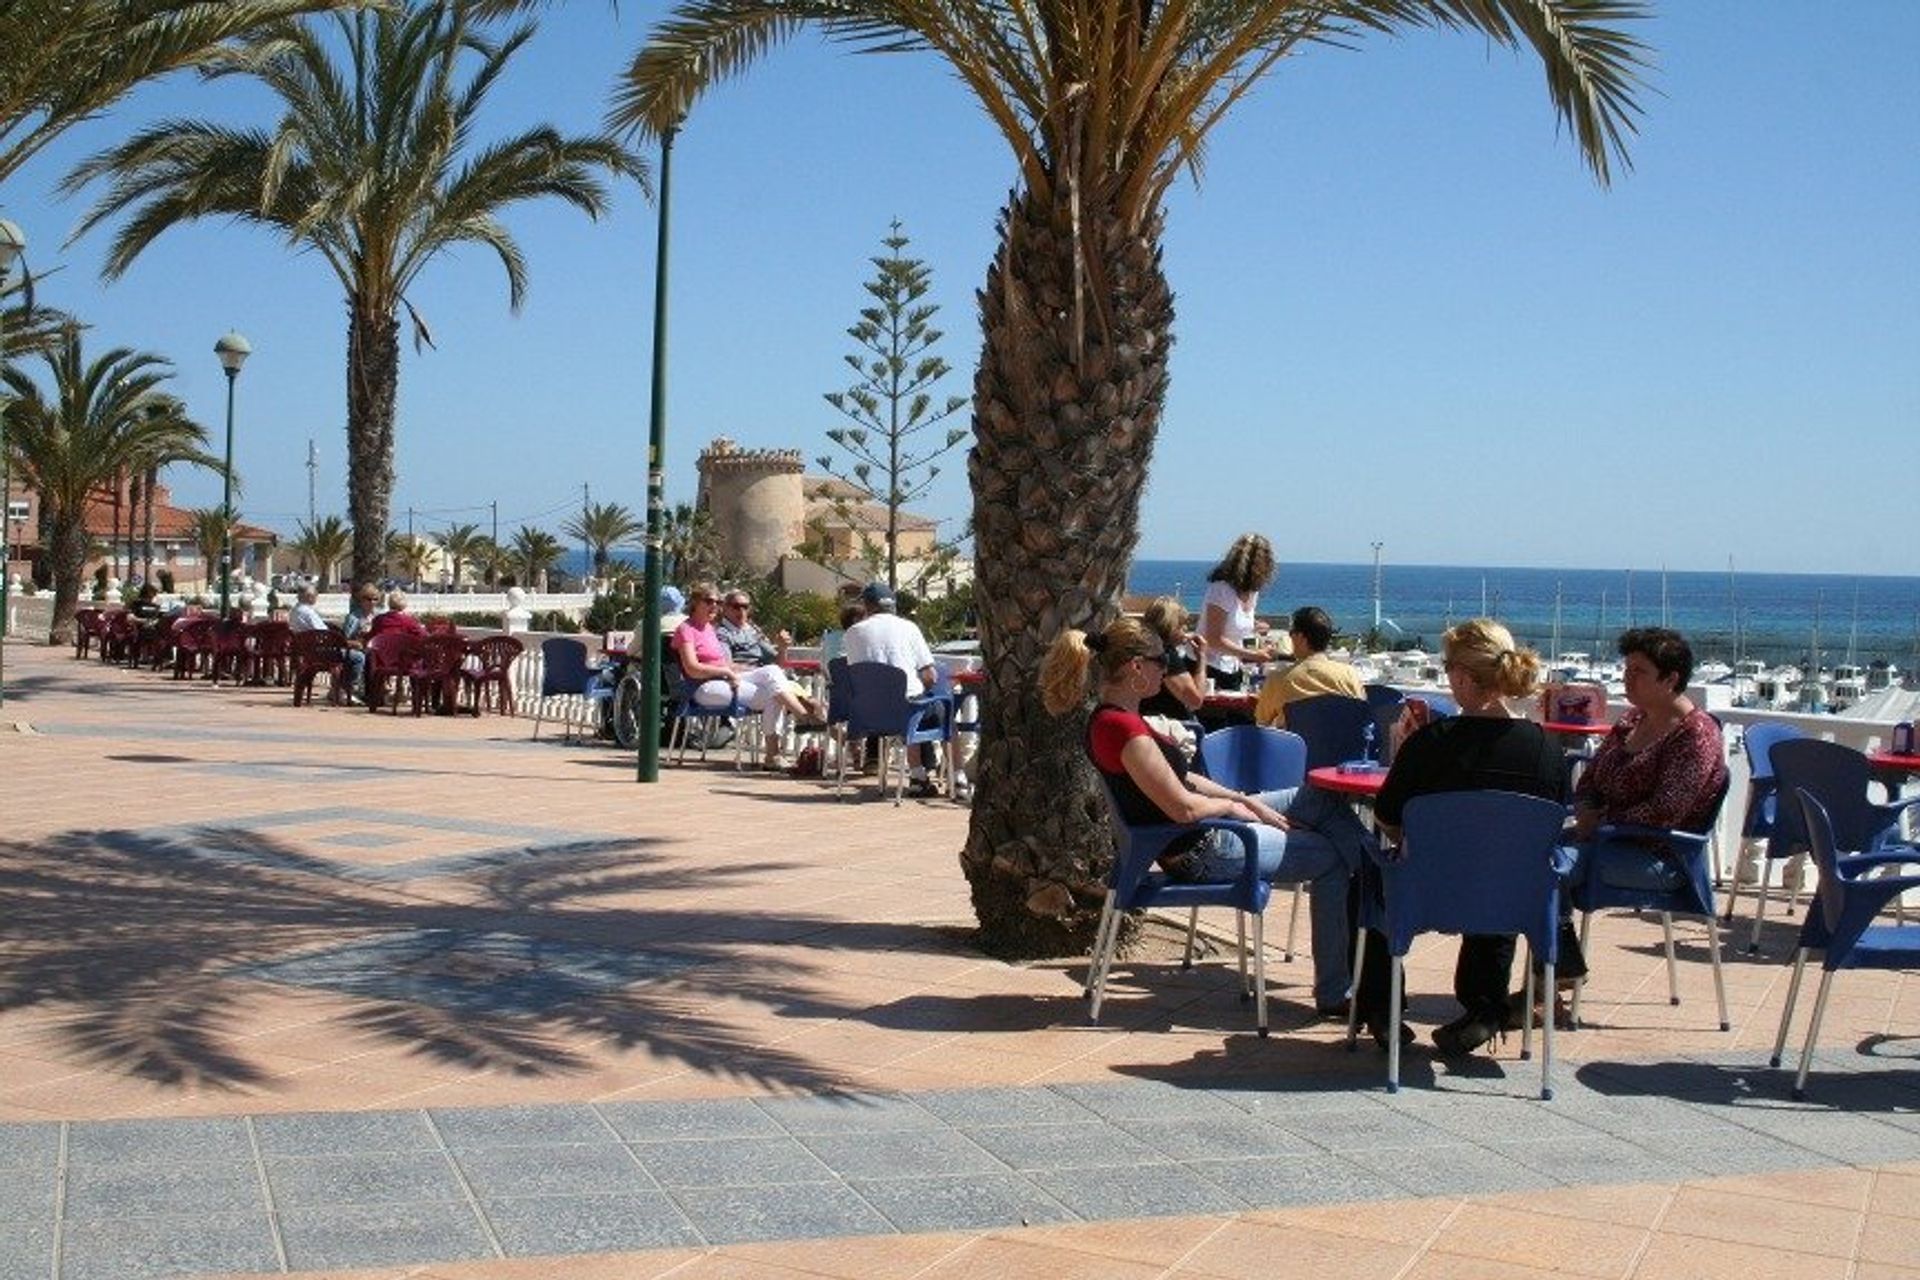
pixel 1405 312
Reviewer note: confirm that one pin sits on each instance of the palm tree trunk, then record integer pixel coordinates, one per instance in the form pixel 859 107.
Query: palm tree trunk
pixel 373 380
pixel 1065 415
pixel 146 544
pixel 67 545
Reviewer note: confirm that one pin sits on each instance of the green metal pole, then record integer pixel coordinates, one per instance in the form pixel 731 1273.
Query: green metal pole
pixel 6 521
pixel 226 502
pixel 649 762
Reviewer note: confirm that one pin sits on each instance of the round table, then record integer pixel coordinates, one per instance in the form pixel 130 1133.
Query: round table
pixel 972 678
pixel 1594 729
pixel 802 666
pixel 1333 778
pixel 1888 760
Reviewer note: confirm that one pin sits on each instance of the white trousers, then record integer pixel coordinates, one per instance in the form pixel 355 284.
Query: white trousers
pixel 760 690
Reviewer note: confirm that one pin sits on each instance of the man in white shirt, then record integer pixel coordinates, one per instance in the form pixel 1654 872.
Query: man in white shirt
pixel 305 617
pixel 885 636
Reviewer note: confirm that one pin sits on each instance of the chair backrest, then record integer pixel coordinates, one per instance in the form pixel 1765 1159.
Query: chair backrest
pixel 1838 777
pixel 496 653
pixel 563 666
pixel 439 654
pixel 318 648
pixel 1476 862
pixel 839 691
pixel 1758 741
pixel 389 652
pixel 1252 757
pixel 878 705
pixel 1848 901
pixel 1335 727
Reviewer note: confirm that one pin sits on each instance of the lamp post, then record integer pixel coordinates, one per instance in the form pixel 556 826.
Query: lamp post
pixel 12 244
pixel 649 762
pixel 233 351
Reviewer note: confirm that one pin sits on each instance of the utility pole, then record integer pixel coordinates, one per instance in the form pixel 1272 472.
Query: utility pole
pixel 1376 591
pixel 313 467
pixel 586 505
pixel 409 524
pixel 495 505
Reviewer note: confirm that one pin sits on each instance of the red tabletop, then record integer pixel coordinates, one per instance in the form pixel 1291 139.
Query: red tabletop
pixel 1561 726
pixel 802 666
pixel 1888 760
pixel 1330 778
pixel 1231 701
pixel 972 678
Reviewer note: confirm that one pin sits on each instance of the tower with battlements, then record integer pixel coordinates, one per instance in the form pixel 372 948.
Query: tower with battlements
pixel 757 501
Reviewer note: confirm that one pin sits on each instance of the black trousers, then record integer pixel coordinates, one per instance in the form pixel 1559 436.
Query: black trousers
pixel 1481 972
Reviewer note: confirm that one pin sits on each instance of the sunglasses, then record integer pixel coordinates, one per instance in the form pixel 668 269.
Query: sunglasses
pixel 1157 659
pixel 739 604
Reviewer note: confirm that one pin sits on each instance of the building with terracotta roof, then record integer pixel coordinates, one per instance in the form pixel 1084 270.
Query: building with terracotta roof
pixel 117 526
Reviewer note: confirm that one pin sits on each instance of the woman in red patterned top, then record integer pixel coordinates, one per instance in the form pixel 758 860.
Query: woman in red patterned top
pixel 1303 834
pixel 1663 765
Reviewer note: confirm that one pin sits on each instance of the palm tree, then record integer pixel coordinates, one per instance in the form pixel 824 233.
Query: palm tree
pixel 373 168
pixel 534 552
pixel 65 61
pixel 689 547
pixel 459 544
pixel 1104 105
pixel 411 557
pixel 322 545
pixel 211 528
pixel 90 427
pixel 603 526
pixel 490 558
pixel 147 474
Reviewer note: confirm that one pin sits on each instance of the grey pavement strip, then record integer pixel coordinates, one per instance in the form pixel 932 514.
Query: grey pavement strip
pixel 138 1198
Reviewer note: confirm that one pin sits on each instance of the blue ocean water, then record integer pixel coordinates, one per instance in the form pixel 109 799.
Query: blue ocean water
pixel 1770 616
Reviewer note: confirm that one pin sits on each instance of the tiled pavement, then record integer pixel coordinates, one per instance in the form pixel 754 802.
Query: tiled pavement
pixel 318 990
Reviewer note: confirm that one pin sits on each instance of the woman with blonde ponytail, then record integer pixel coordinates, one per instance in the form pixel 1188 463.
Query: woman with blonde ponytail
pixel 1303 834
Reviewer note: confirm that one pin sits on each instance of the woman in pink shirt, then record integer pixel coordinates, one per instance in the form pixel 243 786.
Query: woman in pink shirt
pixel 705 660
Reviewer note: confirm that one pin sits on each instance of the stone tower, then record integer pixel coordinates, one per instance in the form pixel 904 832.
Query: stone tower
pixel 757 502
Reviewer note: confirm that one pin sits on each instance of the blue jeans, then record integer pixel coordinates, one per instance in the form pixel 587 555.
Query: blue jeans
pixel 1323 850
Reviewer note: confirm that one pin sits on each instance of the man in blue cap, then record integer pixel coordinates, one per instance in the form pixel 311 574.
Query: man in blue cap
pixel 884 636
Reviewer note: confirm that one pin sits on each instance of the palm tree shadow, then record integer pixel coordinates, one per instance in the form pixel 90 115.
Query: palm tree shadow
pixel 155 946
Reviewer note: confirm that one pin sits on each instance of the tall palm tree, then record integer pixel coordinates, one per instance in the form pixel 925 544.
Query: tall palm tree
pixel 490 558
pixel 65 61
pixel 322 545
pixel 165 452
pixel 374 167
pixel 69 440
pixel 212 530
pixel 1104 105
pixel 689 547
pixel 534 552
pixel 603 526
pixel 459 544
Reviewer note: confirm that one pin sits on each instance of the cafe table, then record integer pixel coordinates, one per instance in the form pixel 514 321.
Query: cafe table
pixel 1892 770
pixel 1364 783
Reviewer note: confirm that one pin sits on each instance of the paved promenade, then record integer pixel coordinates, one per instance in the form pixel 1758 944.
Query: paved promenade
pixel 322 992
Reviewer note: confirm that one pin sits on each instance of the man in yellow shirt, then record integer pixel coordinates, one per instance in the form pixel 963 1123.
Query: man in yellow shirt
pixel 1314 673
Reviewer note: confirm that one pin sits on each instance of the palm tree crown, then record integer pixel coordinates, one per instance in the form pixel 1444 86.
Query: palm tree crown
pixel 603 526
pixel 374 166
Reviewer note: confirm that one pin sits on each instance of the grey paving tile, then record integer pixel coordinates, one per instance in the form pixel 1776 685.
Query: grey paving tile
pixel 1593 1160
pixel 910 1153
pixel 499 1172
pixel 1505 1119
pixel 464 1127
pixel 130 1248
pixel 1142 1099
pixel 1133 1192
pixel 26 1250
pixel 1066 1146
pixel 981 1108
pixel 533 1225
pixel 1725 1150
pixel 1234 1137
pixel 735 1215
pixel 222 1138
pixel 1278 1182
pixel 29 1146
pixel 1623 1114
pixel 848 1113
pixel 1844 1138
pixel 659 1121
pixel 1306 1096
pixel 1368 1127
pixel 971 1202
pixel 339 1132
pixel 26 1195
pixel 329 1236
pixel 731 1162
pixel 1459 1171
pixel 109 1191
pixel 371 1177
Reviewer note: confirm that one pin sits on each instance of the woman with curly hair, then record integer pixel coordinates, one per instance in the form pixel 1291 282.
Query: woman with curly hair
pixel 1227 612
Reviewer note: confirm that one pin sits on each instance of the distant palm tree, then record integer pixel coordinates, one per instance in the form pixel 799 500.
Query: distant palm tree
pixel 210 528
pixel 92 425
pixel 535 551
pixel 490 558
pixel 322 545
pixel 407 557
pixel 459 544
pixel 689 547
pixel 372 167
pixel 603 526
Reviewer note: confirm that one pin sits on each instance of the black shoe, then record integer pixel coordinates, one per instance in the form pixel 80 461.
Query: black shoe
pixel 922 788
pixel 1336 1012
pixel 1377 1028
pixel 1464 1034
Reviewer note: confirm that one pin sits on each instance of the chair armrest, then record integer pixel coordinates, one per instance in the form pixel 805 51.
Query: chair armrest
pixel 1149 842
pixel 1634 831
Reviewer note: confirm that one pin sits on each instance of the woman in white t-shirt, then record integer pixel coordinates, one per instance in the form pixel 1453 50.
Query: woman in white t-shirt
pixel 1227 619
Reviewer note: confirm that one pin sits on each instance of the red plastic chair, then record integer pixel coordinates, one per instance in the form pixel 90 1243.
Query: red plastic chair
pixel 389 657
pixel 88 626
pixel 492 668
pixel 271 653
pixel 317 653
pixel 434 674
pixel 121 637
pixel 192 646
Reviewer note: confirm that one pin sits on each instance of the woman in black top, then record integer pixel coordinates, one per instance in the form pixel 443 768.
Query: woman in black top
pixel 1180 694
pixel 1484 748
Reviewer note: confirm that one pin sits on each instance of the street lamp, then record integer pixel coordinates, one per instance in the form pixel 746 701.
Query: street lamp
pixel 233 351
pixel 650 699
pixel 13 243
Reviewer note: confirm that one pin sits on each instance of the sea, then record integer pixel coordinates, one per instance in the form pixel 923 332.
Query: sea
pixel 1774 617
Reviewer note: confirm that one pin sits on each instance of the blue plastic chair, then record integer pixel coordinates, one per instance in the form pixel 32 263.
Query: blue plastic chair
pixel 686 710
pixel 1759 819
pixel 878 707
pixel 1472 862
pixel 1134 883
pixel 565 673
pixel 1651 869
pixel 1335 728
pixel 1253 758
pixel 1841 922
pixel 1386 702
pixel 1837 777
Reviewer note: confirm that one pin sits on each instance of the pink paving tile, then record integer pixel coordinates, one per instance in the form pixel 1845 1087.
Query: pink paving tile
pixel 1250 1251
pixel 1555 1242
pixel 1703 1210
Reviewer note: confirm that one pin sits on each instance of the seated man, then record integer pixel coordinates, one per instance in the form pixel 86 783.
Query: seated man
pixel 884 636
pixel 1313 674
pixel 305 617
pixel 747 643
